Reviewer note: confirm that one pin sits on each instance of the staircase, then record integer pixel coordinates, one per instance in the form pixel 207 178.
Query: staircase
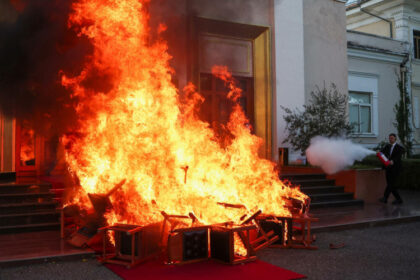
pixel 26 206
pixel 322 191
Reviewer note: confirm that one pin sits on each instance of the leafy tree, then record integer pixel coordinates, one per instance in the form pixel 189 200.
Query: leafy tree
pixel 325 115
pixel 402 115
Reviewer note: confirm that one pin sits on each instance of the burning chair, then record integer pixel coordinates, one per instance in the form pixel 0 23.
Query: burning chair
pixel 133 244
pixel 224 246
pixel 302 237
pixel 85 225
pixel 185 244
pixel 293 232
pixel 301 225
pixel 281 226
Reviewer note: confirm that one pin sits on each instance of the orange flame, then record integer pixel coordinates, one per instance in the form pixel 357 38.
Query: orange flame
pixel 142 132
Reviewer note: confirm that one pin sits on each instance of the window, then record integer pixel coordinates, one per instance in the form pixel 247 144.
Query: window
pixel 360 112
pixel 416 43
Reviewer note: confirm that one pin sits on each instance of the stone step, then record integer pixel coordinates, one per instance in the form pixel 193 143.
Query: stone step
pixel 58 200
pixel 26 197
pixel 51 216
pixel 313 182
pixel 9 188
pixel 340 203
pixel 27 207
pixel 326 197
pixel 29 228
pixel 57 192
pixel 292 177
pixel 322 189
pixel 7 176
pixel 58 195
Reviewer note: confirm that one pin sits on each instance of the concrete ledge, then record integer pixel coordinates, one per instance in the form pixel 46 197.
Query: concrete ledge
pixel 366 224
pixel 44 259
pixel 366 184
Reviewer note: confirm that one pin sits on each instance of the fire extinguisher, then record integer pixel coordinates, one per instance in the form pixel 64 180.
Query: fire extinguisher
pixel 383 159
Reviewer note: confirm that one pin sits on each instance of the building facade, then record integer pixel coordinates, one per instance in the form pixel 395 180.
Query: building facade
pixel 383 45
pixel 279 50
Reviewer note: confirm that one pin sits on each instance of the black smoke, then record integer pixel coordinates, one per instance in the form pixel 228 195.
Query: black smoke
pixel 36 45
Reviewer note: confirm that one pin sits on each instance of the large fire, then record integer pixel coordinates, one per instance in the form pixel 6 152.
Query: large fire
pixel 141 132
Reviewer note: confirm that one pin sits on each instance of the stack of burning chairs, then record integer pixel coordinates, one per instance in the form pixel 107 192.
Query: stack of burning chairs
pixel 196 242
pixel 182 239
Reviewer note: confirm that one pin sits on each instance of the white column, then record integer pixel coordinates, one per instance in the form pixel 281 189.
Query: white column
pixel 402 30
pixel 289 64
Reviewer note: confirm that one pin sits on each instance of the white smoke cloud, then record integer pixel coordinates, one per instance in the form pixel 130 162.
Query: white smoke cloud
pixel 334 154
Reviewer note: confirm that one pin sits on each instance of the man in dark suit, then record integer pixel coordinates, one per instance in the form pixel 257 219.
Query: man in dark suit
pixel 393 151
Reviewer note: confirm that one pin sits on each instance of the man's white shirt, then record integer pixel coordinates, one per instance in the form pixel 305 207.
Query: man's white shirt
pixel 392 148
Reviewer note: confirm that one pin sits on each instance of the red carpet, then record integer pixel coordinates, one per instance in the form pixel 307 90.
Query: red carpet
pixel 204 270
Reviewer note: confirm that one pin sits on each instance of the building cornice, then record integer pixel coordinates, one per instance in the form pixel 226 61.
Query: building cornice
pixel 363 74
pixel 361 52
pixel 415 61
pixel 374 36
pixel 414 19
pixel 378 5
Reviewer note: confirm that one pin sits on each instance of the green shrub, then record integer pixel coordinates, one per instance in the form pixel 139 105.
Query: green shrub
pixel 325 115
pixel 410 176
pixel 402 116
pixel 371 161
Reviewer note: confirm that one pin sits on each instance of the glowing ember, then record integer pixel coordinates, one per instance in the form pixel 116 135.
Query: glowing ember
pixel 27 145
pixel 140 131
pixel 239 245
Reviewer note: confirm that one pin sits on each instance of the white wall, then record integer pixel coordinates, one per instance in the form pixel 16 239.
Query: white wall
pixel 289 64
pixel 310 48
pixel 325 44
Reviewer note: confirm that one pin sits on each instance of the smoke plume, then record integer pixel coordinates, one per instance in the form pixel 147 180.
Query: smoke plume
pixel 334 154
pixel 36 46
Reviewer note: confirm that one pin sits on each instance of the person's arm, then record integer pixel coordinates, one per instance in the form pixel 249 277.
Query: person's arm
pixel 395 158
pixel 398 154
